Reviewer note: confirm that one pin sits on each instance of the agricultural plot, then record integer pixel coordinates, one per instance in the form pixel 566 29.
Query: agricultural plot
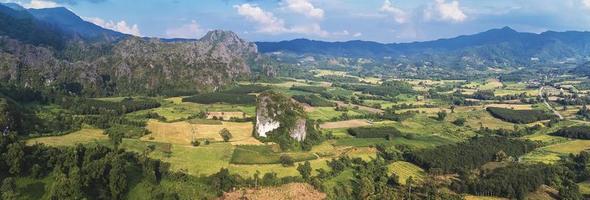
pixel 552 153
pixel 174 111
pixel 183 132
pixel 345 124
pixel 84 136
pixel 265 154
pixel 329 113
pixel 288 191
pixel 226 115
pixel 405 170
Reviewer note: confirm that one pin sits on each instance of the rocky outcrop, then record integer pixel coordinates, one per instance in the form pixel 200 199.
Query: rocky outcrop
pixel 277 114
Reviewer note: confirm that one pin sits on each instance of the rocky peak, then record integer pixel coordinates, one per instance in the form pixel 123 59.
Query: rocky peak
pixel 230 40
pixel 277 114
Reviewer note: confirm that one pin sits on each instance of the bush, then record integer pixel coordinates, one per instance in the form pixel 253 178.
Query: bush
pixel 519 116
pixel 225 134
pixel 286 160
pixel 459 121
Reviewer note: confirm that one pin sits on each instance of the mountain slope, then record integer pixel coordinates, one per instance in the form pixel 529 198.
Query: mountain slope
pixel 113 63
pixel 70 23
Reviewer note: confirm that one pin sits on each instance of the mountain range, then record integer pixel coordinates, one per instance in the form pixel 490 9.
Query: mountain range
pixel 55 48
pixel 496 47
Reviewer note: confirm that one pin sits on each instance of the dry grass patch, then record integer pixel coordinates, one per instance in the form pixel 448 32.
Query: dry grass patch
pixel 345 124
pixel 83 136
pixel 182 132
pixel 226 115
pixel 290 191
pixel 511 106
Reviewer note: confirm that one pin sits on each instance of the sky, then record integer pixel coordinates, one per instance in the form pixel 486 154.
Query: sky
pixel 384 21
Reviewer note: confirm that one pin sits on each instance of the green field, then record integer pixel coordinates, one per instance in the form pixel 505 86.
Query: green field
pixel 405 170
pixel 264 154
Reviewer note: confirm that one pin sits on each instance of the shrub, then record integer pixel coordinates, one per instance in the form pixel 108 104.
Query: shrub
pixel 459 121
pixel 286 160
pixel 225 134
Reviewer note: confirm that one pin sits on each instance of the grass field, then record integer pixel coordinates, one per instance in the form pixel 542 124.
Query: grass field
pixel 405 170
pixel 584 187
pixel 83 136
pixel 182 132
pixel 226 115
pixel 265 154
pixel 345 124
pixel 552 153
pixel 328 113
pixel 173 110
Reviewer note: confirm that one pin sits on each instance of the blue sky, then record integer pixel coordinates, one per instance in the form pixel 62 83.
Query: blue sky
pixel 330 20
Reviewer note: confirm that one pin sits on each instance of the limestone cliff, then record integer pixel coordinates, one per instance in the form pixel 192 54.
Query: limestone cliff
pixel 277 114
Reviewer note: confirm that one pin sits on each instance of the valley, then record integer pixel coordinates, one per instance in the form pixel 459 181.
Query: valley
pixel 90 112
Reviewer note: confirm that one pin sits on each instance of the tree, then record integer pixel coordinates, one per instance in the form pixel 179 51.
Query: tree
pixel 366 188
pixel 116 138
pixel 305 170
pixel 225 134
pixel 8 189
pixel 117 178
pixel 14 157
pixel 440 116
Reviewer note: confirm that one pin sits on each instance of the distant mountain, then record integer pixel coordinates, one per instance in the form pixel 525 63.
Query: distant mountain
pixel 20 24
pixel 14 6
pixel 496 47
pixel 70 23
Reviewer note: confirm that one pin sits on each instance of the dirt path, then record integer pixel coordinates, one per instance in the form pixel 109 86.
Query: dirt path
pixel 547 104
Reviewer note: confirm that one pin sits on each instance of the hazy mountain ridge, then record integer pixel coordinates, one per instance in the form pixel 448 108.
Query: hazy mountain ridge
pixel 496 47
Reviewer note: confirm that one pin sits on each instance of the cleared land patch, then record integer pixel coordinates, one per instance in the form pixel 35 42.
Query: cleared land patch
pixel 290 191
pixel 83 136
pixel 405 170
pixel 345 124
pixel 182 132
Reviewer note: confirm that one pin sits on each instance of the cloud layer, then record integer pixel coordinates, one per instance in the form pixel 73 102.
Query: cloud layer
pixel 120 26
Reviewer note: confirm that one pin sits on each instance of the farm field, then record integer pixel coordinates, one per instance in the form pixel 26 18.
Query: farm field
pixel 183 132
pixel 405 170
pixel 345 124
pixel 84 136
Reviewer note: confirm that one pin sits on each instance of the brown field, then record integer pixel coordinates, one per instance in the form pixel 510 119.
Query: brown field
pixel 345 124
pixel 511 106
pixel 363 108
pixel 181 132
pixel 225 115
pixel 290 191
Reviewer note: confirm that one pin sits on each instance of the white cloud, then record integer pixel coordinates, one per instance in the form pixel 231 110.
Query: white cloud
pixel 120 26
pixel 266 21
pixel 304 7
pixel 586 3
pixel 190 30
pixel 269 24
pixel 38 4
pixel 445 11
pixel 311 29
pixel 399 15
pixel 357 35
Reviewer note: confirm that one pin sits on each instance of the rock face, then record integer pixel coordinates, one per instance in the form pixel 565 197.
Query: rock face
pixel 277 114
